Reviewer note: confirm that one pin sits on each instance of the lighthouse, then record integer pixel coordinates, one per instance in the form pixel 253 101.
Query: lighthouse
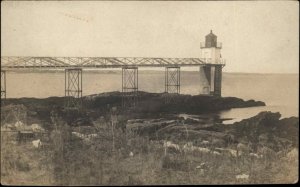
pixel 213 64
pixel 211 49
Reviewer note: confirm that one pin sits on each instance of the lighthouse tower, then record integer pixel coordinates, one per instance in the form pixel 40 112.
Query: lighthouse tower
pixel 212 67
pixel 211 49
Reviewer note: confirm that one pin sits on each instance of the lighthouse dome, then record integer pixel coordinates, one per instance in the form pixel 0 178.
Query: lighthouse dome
pixel 211 40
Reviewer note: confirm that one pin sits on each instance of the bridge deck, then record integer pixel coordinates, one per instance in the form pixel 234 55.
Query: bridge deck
pixel 100 62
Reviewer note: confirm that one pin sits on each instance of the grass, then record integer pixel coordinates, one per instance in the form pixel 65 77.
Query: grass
pixel 67 160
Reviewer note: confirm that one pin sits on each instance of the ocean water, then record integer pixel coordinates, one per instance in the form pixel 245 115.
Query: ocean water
pixel 279 91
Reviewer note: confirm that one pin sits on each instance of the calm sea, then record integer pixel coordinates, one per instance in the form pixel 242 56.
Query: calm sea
pixel 279 91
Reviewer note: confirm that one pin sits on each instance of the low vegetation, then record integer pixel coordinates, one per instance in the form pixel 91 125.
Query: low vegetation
pixel 42 145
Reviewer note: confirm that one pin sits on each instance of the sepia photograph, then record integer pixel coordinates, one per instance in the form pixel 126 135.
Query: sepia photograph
pixel 106 93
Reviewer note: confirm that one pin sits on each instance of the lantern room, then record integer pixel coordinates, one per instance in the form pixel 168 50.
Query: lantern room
pixel 211 49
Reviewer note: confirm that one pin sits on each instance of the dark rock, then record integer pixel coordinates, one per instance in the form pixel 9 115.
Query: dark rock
pixel 150 105
pixel 266 128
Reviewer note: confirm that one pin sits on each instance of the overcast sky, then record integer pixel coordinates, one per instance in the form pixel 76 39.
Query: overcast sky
pixel 257 37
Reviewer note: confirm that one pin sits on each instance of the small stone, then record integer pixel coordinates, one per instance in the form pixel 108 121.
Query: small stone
pixel 131 154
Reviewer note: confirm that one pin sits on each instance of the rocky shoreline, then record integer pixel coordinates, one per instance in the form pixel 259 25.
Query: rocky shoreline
pixel 151 104
pixel 155 118
pixel 185 138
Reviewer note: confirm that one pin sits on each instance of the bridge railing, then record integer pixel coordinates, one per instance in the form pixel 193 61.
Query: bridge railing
pixel 97 62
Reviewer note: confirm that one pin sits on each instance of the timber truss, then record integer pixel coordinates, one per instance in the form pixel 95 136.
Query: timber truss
pixel 73 88
pixel 97 62
pixel 74 66
pixel 172 83
pixel 3 84
pixel 129 86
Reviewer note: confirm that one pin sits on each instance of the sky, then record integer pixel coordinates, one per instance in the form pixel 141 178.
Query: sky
pixel 257 37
